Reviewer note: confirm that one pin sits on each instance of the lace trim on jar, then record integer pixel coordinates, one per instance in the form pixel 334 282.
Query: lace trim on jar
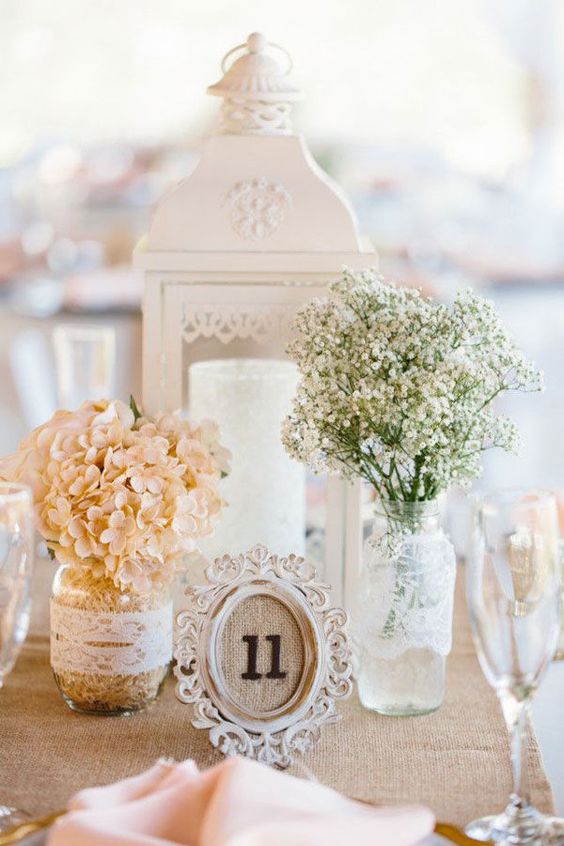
pixel 109 643
pixel 406 601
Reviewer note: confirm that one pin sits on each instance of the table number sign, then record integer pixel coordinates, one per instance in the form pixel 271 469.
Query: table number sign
pixel 262 656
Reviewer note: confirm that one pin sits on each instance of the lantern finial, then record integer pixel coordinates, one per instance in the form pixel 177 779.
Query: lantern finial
pixel 256 92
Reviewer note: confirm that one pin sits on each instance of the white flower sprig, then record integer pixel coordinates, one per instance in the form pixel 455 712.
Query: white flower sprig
pixel 398 388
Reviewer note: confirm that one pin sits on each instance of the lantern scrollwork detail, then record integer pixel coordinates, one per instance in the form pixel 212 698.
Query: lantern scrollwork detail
pixel 229 321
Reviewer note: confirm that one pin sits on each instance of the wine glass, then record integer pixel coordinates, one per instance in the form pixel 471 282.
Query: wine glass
pixel 16 567
pixel 85 362
pixel 513 592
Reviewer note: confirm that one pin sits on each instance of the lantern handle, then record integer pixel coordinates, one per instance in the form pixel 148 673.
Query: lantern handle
pixel 257 43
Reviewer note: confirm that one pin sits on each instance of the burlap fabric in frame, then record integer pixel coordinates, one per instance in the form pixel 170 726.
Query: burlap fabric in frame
pixel 456 761
pixel 261 617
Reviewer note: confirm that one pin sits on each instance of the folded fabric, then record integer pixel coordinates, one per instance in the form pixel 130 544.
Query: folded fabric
pixel 237 803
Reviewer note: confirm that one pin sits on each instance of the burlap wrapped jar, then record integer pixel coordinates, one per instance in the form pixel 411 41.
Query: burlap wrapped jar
pixel 110 649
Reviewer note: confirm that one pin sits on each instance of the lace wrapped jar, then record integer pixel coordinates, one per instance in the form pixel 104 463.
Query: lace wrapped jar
pixel 110 649
pixel 403 615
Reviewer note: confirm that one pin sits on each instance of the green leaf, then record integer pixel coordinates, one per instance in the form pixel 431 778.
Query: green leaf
pixel 135 409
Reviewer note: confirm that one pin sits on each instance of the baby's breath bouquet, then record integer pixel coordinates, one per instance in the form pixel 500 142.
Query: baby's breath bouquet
pixel 399 389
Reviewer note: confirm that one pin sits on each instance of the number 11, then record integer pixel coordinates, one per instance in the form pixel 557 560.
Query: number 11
pixel 252 654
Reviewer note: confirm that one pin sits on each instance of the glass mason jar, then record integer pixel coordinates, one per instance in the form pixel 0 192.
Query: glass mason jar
pixel 110 649
pixel 403 619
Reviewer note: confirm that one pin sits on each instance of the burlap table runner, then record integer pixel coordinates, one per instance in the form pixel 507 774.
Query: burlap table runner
pixel 456 761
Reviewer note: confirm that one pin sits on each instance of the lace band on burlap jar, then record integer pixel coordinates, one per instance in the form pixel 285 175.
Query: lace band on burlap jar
pixel 107 644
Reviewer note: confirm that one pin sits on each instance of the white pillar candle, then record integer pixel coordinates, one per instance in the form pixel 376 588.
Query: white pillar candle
pixel 265 491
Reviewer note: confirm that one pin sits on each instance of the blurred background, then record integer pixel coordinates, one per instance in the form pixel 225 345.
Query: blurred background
pixel 443 121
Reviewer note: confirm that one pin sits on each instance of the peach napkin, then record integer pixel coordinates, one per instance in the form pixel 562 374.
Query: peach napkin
pixel 237 803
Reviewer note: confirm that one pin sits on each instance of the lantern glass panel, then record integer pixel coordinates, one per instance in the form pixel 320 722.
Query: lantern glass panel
pixel 223 323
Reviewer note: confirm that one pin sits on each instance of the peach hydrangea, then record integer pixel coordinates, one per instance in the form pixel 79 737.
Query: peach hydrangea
pixel 121 495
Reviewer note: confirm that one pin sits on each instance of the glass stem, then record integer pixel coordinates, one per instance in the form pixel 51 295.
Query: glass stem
pixel 520 792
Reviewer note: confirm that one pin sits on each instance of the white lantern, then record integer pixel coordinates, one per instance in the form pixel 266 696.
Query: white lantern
pixel 233 251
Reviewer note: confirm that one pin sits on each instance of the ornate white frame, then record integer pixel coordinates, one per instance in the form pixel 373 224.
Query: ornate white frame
pixel 271 737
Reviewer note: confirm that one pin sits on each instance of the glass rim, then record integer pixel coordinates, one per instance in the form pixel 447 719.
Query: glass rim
pixel 515 497
pixel 10 491
pixel 85 329
pixel 427 507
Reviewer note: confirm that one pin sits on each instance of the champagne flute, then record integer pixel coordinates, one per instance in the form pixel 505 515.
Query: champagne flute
pixel 16 567
pixel 513 592
pixel 85 357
